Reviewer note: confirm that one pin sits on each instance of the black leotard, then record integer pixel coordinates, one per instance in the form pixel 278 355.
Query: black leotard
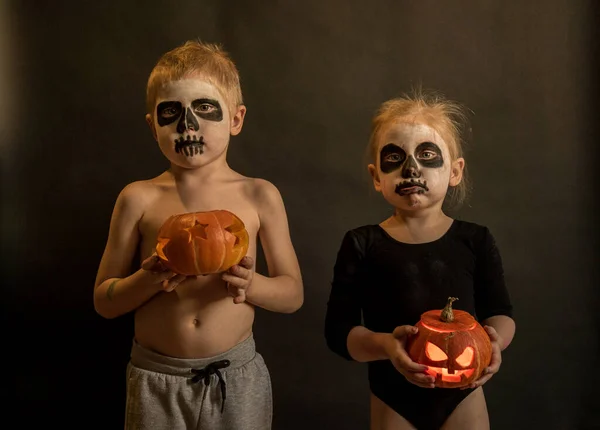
pixel 382 283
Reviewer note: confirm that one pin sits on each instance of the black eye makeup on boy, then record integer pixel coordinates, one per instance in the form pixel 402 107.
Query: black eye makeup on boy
pixel 208 109
pixel 170 111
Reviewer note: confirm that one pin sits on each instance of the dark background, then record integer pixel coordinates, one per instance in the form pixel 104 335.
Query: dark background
pixel 72 88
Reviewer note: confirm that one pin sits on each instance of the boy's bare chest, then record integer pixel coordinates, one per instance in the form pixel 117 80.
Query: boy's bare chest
pixel 172 203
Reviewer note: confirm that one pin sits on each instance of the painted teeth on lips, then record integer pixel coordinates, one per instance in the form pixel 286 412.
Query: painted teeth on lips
pixel 188 139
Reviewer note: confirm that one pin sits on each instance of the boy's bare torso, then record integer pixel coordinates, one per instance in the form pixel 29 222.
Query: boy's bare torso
pixel 198 318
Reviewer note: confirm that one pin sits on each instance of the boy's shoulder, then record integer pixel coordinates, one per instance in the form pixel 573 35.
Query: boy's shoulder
pixel 264 196
pixel 140 192
pixel 261 191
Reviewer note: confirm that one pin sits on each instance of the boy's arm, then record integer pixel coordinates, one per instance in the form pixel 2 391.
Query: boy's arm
pixel 282 291
pixel 116 293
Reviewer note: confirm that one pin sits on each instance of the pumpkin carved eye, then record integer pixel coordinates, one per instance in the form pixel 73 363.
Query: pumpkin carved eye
pixel 466 357
pixel 434 353
pixel 198 230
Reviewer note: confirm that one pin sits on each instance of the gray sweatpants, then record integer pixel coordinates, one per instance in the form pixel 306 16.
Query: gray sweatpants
pixel 231 391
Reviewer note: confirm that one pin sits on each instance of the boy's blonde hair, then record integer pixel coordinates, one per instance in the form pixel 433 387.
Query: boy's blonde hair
pixel 445 116
pixel 196 59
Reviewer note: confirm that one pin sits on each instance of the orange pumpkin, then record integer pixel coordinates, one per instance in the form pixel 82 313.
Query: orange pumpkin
pixel 454 346
pixel 202 243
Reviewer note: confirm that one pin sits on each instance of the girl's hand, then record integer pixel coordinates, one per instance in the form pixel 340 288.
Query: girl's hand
pixel 395 348
pixel 494 366
pixel 239 278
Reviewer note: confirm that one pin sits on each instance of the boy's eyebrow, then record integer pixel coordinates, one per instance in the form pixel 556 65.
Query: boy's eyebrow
pixel 200 100
pixel 206 100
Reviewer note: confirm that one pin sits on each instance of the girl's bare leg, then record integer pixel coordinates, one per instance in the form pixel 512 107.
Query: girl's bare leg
pixel 470 414
pixel 385 418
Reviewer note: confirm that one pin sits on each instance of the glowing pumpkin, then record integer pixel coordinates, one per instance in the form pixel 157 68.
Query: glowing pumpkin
pixel 454 346
pixel 202 243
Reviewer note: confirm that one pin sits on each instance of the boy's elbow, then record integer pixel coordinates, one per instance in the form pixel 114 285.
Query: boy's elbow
pixel 298 299
pixel 296 303
pixel 104 314
pixel 102 311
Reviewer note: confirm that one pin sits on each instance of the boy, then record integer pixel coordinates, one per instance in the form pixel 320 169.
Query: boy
pixel 193 361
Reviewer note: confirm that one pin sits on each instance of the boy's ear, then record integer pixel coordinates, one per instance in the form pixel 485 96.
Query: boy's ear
pixel 150 122
pixel 375 176
pixel 237 120
pixel 456 172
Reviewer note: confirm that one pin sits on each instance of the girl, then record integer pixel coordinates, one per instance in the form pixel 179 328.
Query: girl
pixel 387 275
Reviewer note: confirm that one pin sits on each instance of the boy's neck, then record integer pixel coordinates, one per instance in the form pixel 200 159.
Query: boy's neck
pixel 206 173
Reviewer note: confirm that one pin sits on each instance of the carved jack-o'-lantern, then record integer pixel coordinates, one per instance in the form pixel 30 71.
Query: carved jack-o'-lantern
pixel 201 243
pixel 454 346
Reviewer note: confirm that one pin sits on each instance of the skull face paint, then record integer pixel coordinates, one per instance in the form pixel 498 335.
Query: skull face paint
pixel 190 120
pixel 426 155
pixel 412 162
pixel 170 111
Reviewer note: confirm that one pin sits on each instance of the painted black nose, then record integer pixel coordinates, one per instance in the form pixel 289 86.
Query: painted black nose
pixel 187 122
pixel 410 169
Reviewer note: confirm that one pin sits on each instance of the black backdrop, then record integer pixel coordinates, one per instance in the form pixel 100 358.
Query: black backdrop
pixel 72 83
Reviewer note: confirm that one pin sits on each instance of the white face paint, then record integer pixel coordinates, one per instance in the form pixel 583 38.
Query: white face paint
pixel 413 166
pixel 192 122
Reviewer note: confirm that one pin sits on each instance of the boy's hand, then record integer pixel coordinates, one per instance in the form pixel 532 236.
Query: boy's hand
pixel 239 278
pixel 494 366
pixel 395 348
pixel 158 274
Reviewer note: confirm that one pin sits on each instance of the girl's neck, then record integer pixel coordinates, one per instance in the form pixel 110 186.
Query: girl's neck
pixel 426 226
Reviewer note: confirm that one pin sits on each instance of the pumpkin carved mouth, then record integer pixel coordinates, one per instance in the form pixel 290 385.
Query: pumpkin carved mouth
pixel 445 375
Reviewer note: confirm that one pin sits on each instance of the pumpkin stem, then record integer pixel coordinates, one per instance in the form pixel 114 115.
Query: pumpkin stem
pixel 447 315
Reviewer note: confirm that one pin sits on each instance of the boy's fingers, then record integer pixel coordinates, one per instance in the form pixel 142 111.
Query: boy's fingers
pixel 240 297
pixel 246 262
pixel 165 276
pixel 150 262
pixel 240 272
pixel 175 281
pixel 234 281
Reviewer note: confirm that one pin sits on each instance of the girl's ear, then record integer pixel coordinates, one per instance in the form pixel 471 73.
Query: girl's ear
pixel 456 172
pixel 375 176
